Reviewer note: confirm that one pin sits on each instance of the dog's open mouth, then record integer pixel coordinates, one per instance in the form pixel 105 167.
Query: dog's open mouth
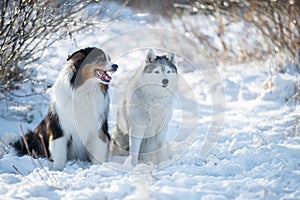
pixel 102 75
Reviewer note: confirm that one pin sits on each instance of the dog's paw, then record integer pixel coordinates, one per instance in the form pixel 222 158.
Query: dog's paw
pixel 57 166
pixel 130 161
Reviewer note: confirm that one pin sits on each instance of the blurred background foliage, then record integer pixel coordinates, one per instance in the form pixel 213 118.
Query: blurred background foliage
pixel 265 28
pixel 27 28
pixel 232 31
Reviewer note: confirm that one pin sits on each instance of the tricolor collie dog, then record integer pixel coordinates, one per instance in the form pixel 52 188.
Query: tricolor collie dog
pixel 145 110
pixel 76 124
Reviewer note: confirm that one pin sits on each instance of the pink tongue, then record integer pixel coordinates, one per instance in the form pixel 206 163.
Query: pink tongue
pixel 104 75
pixel 107 77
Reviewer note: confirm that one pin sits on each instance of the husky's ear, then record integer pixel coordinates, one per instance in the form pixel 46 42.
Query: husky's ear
pixel 75 56
pixel 150 57
pixel 172 58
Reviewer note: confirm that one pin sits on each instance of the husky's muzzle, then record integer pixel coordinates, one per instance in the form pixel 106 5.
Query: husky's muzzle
pixel 165 82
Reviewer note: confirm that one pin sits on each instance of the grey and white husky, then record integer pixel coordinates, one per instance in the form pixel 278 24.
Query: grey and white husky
pixel 145 111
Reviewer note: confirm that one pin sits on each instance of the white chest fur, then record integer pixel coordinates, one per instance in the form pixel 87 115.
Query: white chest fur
pixel 89 106
pixel 150 106
pixel 80 112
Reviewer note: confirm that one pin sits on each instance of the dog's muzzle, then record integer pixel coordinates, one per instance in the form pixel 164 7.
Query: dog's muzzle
pixel 165 82
pixel 102 74
pixel 114 67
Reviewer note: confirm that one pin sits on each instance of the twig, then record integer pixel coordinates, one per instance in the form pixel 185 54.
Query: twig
pixel 38 171
pixel 53 179
pixel 44 147
pixel 29 153
pixel 5 147
pixel 24 139
pixel 17 170
pixel 47 157
pixel 25 95
pixel 125 3
pixel 4 143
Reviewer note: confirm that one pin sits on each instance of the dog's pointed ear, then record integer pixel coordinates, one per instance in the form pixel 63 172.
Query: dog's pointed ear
pixel 172 58
pixel 150 56
pixel 75 56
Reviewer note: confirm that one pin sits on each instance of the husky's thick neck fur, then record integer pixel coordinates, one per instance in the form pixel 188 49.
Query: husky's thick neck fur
pixel 145 109
pixel 76 124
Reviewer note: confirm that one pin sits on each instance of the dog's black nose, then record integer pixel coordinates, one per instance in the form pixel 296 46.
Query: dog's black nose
pixel 165 81
pixel 114 67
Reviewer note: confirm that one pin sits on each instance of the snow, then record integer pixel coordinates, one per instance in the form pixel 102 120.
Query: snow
pixel 254 152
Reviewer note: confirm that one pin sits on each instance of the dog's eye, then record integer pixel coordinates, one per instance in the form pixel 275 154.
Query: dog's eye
pixel 168 72
pixel 156 72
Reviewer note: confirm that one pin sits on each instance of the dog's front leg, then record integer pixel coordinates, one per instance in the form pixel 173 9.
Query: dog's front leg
pixel 58 151
pixel 161 145
pixel 97 150
pixel 136 135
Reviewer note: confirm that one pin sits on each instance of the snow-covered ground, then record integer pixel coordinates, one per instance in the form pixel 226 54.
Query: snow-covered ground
pixel 255 155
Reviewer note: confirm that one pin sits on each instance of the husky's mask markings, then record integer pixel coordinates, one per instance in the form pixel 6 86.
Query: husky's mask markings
pixel 145 110
pixel 76 124
pixel 166 68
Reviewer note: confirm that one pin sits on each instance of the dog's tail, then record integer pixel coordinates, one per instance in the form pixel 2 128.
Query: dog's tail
pixel 119 143
pixel 30 144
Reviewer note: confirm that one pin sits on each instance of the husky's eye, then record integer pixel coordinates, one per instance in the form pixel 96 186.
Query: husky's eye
pixel 168 72
pixel 156 72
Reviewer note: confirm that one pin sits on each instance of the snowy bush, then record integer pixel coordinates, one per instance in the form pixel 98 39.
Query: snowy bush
pixel 235 31
pixel 264 28
pixel 27 28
